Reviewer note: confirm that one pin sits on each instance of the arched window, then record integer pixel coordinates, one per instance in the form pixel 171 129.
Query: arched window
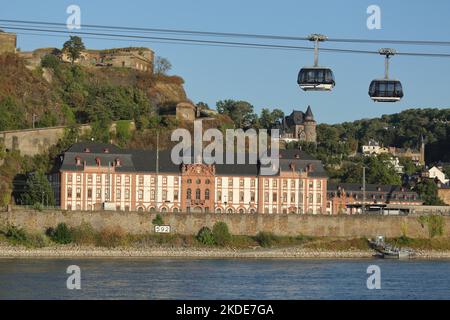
pixel 207 194
pixel 197 194
pixel 252 211
pixel 175 210
pixel 241 211
pixel 219 210
pixel 189 194
pixel 163 209
pixel 230 210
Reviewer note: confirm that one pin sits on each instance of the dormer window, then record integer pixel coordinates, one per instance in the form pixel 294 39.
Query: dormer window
pixel 297 156
pixel 118 162
pixel 77 161
pixel 87 150
pixel 97 161
pixel 106 150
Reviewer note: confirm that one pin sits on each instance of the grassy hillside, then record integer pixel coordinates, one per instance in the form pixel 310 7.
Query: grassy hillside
pixel 58 93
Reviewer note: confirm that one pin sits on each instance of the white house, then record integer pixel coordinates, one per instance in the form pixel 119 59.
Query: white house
pixel 435 173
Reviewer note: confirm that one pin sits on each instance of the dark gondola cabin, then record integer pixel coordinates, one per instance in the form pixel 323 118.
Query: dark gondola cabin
pixel 386 90
pixel 316 79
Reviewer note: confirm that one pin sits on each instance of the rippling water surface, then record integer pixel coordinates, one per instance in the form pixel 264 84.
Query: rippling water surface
pixel 223 279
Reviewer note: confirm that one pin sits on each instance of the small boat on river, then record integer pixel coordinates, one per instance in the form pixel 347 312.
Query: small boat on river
pixel 388 251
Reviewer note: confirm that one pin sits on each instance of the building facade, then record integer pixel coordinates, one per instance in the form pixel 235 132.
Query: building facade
pixel 348 198
pixel 93 176
pixel 299 126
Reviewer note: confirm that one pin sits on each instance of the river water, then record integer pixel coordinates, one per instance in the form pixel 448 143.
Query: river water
pixel 223 279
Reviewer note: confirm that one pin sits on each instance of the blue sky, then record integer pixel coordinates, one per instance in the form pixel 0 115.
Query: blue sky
pixel 267 78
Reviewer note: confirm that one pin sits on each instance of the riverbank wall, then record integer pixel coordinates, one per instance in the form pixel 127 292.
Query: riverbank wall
pixel 239 224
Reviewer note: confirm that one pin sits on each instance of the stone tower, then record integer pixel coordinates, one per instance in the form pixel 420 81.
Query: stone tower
pixel 310 126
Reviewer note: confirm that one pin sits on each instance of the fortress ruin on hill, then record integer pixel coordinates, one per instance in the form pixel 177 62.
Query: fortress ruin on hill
pixel 138 58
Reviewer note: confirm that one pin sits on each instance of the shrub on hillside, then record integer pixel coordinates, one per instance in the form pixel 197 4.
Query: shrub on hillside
pixel 111 237
pixel 221 234
pixel 61 234
pixel 265 239
pixel 158 221
pixel 205 236
pixel 16 234
pixel 84 234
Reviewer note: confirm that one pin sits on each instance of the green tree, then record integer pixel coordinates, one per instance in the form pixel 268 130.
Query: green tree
pixel 38 190
pixel 241 112
pixel 205 236
pixel 428 192
pixel 221 234
pixel 270 119
pixel 74 46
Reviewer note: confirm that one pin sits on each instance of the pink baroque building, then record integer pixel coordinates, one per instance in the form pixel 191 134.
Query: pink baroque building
pixel 96 176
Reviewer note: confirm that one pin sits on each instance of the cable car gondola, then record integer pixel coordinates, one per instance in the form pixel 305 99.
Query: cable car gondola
pixel 386 90
pixel 316 78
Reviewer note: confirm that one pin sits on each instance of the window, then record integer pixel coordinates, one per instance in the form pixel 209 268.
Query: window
pixel 219 181
pixel 284 197
pixel 252 183
pixel 69 178
pixel 230 196
pixel 284 183
pixel 274 183
pixel 78 178
pixel 164 180
pixel 164 195
pixel 152 180
pixel 118 194
pixel 175 195
pixel 292 197
pixel 241 196
pixel 274 197
pixel 127 179
pixel 310 198
pixel 78 193
pixel 266 183
pixel 292 183
pixel 207 181
pixel 230 182
pixel 140 194
pixel 99 179
pixel 152 195
pixel 300 184
pixel 90 178
pixel 311 184
pixel 98 193
pixel 118 179
pixel 197 194
pixel 127 194
pixel 266 197
pixel 219 195
pixel 319 184
pixel 241 182
pixel 198 181
pixel 230 210
pixel 89 193
pixel 141 179
pixel 189 181
pixel 69 193
pixel 241 211
pixel 266 210
pixel 189 194
pixel 319 198
pixel 207 194
pixel 252 196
